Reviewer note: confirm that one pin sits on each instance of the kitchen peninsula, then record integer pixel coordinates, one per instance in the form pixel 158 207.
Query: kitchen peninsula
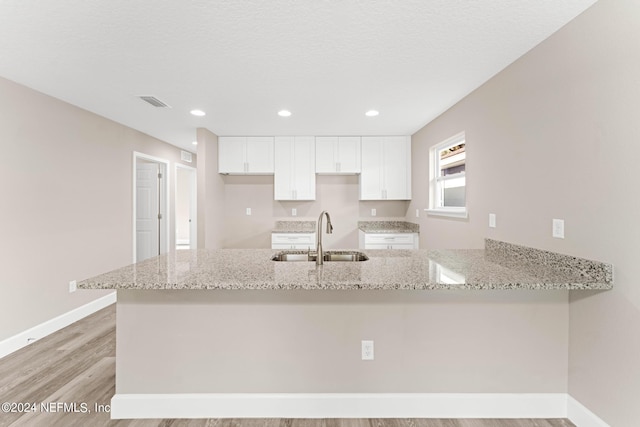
pixel 231 333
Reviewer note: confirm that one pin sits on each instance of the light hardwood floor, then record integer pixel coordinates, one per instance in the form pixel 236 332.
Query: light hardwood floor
pixel 77 365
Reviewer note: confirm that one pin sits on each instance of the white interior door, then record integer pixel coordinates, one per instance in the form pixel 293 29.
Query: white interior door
pixel 147 210
pixel 185 208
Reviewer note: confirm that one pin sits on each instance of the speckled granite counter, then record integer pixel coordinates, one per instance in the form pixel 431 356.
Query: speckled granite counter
pixel 388 227
pixel 499 266
pixel 295 227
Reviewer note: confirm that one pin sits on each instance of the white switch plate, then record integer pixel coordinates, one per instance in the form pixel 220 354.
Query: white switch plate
pixel 417 213
pixel 248 211
pixel 294 212
pixel 373 212
pixel 492 220
pixel 73 286
pixel 367 350
pixel 558 228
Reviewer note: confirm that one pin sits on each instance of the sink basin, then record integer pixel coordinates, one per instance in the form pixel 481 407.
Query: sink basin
pixel 329 256
pixel 345 256
pixel 283 256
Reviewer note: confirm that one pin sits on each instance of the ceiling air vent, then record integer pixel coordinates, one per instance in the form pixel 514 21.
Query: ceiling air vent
pixel 154 101
pixel 185 156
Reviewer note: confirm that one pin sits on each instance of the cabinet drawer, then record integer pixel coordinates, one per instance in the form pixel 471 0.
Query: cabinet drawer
pixel 293 238
pixel 388 239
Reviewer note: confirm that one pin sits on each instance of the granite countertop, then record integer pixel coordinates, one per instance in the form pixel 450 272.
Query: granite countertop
pixel 499 266
pixel 295 227
pixel 388 227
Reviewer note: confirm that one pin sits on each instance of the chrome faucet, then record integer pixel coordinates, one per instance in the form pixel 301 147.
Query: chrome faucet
pixel 319 251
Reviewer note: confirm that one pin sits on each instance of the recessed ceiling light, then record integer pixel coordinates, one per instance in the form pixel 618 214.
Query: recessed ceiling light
pixel 198 113
pixel 371 113
pixel 284 113
pixel 195 142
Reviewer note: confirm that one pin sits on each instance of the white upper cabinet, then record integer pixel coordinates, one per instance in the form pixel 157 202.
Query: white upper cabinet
pixel 386 168
pixel 338 154
pixel 295 168
pixel 245 155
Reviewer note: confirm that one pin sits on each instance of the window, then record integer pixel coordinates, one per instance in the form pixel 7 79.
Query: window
pixel 448 180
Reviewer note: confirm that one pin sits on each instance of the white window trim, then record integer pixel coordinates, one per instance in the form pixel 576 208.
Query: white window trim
pixel 452 212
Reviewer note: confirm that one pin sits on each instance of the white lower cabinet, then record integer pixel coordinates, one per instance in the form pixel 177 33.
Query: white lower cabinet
pixel 388 240
pixel 302 241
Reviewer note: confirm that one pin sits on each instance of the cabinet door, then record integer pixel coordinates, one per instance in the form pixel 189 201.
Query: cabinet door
pixel 259 155
pixel 304 168
pixel 348 154
pixel 397 168
pixel 326 150
pixel 371 175
pixel 295 168
pixel 283 176
pixel 231 154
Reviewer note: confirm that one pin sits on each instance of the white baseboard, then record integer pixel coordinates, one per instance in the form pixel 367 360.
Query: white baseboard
pixel 31 335
pixel 339 405
pixel 581 416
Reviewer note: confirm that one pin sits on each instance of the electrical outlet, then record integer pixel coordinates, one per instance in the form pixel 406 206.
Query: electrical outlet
pixel 417 213
pixel 492 220
pixel 558 228
pixel 73 286
pixel 373 212
pixel 367 350
pixel 294 212
pixel 248 211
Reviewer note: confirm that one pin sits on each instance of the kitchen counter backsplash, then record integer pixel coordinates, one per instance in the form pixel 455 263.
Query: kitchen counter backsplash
pixel 388 227
pixel 295 227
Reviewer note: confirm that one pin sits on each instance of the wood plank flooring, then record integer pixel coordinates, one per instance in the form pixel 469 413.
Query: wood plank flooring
pixel 77 364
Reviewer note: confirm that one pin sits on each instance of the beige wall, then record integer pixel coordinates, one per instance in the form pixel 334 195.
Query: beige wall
pixel 210 192
pixel 309 342
pixel 336 194
pixel 66 188
pixel 556 135
pixel 223 200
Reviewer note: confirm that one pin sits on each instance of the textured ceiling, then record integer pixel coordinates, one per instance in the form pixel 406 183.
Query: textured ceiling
pixel 242 61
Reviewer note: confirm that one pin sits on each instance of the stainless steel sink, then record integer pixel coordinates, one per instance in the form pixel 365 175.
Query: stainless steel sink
pixel 283 256
pixel 329 256
pixel 345 256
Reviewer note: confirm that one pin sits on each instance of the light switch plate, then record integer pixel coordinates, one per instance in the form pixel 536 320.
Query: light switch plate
pixel 248 211
pixel 558 228
pixel 492 220
pixel 373 212
pixel 73 286
pixel 294 212
pixel 417 213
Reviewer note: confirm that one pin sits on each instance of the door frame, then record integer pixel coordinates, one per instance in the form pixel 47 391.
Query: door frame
pixel 164 200
pixel 193 203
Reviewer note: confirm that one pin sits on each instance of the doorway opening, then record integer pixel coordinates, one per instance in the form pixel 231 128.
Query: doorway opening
pixel 150 206
pixel 186 211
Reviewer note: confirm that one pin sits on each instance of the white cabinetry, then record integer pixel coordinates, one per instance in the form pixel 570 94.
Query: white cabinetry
pixel 386 168
pixel 303 241
pixel 245 155
pixel 388 240
pixel 337 154
pixel 295 168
